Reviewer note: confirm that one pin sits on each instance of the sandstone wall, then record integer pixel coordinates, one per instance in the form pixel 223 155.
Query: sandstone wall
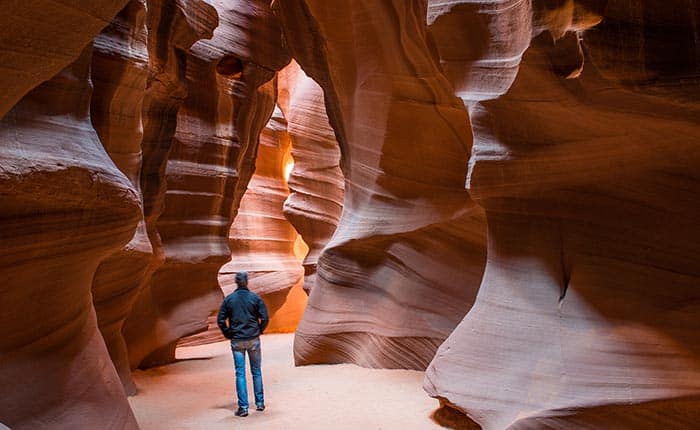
pixel 65 208
pixel 209 165
pixel 173 28
pixel 41 38
pixel 573 124
pixel 587 168
pixel 316 182
pixel 78 252
pixel 406 259
pixel 119 73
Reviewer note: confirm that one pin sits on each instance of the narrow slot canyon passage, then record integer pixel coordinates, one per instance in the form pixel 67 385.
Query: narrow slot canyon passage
pixel 421 214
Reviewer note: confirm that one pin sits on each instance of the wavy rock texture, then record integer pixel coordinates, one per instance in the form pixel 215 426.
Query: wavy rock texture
pixel 65 207
pixel 208 167
pixel 404 264
pixel 316 182
pixel 261 239
pixel 587 314
pixel 119 72
pixel 41 38
pixel 173 28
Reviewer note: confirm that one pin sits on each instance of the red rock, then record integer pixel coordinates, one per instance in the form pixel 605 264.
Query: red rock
pixel 404 264
pixel 119 72
pixel 179 24
pixel 585 316
pixel 315 181
pixel 65 208
pixel 209 165
pixel 41 38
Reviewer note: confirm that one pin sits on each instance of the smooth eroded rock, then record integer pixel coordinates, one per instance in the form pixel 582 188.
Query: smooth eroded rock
pixel 65 208
pixel 587 167
pixel 405 261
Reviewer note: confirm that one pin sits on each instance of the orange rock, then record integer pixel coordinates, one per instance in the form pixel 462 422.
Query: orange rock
pixel 404 264
pixel 229 98
pixel 586 166
pixel 65 207
pixel 315 181
pixel 119 72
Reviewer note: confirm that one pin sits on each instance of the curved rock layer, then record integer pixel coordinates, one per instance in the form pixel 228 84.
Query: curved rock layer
pixel 208 167
pixel 65 207
pixel 119 72
pixel 404 264
pixel 73 208
pixel 261 239
pixel 173 28
pixel 587 314
pixel 41 38
pixel 316 182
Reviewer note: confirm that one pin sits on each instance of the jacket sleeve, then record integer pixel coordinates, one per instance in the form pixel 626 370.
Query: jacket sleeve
pixel 221 320
pixel 262 314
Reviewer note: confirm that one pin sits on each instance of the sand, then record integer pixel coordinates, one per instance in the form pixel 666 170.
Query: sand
pixel 198 393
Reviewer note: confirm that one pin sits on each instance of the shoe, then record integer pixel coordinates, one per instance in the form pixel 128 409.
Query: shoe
pixel 260 408
pixel 241 412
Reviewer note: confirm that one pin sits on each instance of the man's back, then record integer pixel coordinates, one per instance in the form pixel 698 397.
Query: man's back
pixel 247 319
pixel 246 315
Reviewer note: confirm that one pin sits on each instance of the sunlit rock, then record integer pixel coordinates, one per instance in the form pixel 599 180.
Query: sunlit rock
pixel 587 168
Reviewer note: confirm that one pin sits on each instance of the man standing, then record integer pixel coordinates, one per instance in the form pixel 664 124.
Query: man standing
pixel 247 319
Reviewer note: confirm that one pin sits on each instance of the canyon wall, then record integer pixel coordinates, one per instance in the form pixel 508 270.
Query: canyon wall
pixel 65 208
pixel 119 74
pixel 571 126
pixel 404 264
pixel 42 38
pixel 229 98
pixel 172 29
pixel 316 182
pixel 171 128
pixel 585 159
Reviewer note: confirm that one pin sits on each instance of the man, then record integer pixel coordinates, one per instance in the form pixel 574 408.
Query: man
pixel 247 319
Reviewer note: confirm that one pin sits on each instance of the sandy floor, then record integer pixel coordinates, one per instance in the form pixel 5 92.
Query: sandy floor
pixel 198 393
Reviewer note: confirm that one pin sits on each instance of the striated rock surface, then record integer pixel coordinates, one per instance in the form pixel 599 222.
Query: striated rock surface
pixel 404 264
pixel 315 181
pixel 210 162
pixel 261 239
pixel 587 313
pixel 173 28
pixel 119 72
pixel 65 207
pixel 41 38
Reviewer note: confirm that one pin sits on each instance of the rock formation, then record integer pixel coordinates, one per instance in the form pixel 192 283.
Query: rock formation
pixel 587 168
pixel 74 242
pixel 119 72
pixel 316 181
pixel 404 264
pixel 261 239
pixel 41 38
pixel 570 125
pixel 65 207
pixel 208 167
pixel 173 28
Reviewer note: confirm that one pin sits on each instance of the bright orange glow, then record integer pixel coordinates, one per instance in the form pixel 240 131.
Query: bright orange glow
pixel 288 166
pixel 300 248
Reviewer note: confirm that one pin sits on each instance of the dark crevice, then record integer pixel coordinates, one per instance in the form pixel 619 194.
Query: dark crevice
pixel 452 418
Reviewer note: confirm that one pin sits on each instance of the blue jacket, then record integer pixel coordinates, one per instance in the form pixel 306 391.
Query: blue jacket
pixel 243 315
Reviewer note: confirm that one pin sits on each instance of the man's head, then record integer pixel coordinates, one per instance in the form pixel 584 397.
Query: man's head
pixel 242 279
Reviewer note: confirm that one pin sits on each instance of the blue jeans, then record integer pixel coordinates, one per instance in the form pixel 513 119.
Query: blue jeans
pixel 239 348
